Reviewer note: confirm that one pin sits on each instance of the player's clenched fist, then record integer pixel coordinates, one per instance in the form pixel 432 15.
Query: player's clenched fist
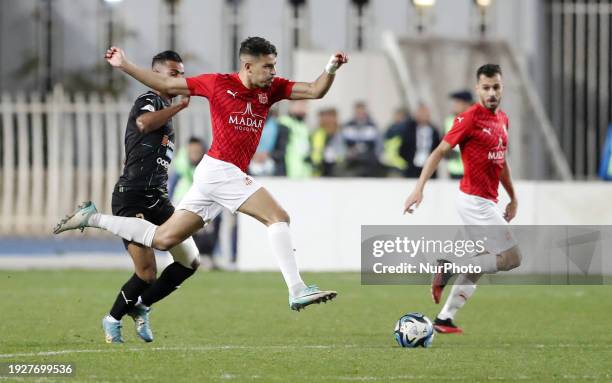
pixel 115 56
pixel 183 101
pixel 335 62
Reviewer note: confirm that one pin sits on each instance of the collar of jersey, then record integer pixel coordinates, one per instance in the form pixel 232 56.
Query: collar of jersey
pixel 237 78
pixel 481 107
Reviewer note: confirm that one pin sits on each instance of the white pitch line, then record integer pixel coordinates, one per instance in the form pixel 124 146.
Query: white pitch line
pixel 199 348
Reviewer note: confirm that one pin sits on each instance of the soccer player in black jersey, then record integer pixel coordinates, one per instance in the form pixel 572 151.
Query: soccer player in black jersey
pixel 142 192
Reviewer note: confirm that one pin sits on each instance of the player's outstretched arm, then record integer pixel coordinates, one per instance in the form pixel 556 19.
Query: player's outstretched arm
pixel 415 198
pixel 506 180
pixel 173 86
pixel 151 121
pixel 318 88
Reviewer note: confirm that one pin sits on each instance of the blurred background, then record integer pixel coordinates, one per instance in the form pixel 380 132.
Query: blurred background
pixel 335 164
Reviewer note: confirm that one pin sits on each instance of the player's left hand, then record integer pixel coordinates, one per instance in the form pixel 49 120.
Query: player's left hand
pixel 413 201
pixel 340 58
pixel 335 62
pixel 510 212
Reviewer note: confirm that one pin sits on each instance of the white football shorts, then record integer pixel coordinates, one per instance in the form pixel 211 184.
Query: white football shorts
pixel 485 222
pixel 216 185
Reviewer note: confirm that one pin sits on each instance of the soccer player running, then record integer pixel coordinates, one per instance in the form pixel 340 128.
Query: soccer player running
pixel 239 104
pixel 481 133
pixel 142 192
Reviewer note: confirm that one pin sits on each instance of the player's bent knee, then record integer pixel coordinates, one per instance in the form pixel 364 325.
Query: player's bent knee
pixel 148 274
pixel 165 242
pixel 187 254
pixel 279 216
pixel 511 259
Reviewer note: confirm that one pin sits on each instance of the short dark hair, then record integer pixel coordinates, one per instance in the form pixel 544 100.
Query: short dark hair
pixel 257 46
pixel 195 140
pixel 164 56
pixel 489 70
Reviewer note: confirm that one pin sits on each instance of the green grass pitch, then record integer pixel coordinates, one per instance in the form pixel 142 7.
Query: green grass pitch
pixel 237 327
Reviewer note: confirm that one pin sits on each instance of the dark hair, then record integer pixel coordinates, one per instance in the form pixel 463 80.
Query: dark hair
pixel 489 70
pixel 257 46
pixel 325 111
pixel 195 140
pixel 164 56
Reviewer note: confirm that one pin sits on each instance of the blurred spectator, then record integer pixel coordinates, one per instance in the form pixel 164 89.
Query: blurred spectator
pixel 400 116
pixel 328 149
pixel 185 162
pixel 363 145
pixel 263 162
pixel 297 150
pixel 460 102
pixel 419 139
pixel 393 141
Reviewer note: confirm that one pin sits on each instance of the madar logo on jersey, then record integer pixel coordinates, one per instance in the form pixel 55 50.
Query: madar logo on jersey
pixel 499 153
pixel 247 121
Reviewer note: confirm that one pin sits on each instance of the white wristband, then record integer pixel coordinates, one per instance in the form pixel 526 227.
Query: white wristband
pixel 332 65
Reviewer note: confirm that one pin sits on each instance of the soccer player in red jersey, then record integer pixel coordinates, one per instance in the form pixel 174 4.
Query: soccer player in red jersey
pixel 482 135
pixel 239 104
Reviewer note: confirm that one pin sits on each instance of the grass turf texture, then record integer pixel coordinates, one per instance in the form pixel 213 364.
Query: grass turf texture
pixel 237 327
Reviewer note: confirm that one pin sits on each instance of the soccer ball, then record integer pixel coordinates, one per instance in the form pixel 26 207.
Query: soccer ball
pixel 413 330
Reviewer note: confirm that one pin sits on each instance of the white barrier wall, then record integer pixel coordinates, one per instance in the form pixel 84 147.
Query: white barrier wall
pixel 326 215
pixel 58 152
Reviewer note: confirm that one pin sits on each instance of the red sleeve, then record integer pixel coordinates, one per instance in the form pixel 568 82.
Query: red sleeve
pixel 460 129
pixel 281 89
pixel 202 85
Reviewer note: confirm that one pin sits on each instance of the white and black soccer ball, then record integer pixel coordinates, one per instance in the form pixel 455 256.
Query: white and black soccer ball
pixel 414 330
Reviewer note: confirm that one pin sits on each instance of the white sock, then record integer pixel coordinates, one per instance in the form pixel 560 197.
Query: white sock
pixel 111 319
pixel 129 228
pixel 487 262
pixel 280 240
pixel 462 290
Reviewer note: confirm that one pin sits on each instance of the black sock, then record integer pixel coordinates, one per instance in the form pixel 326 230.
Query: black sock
pixel 127 297
pixel 169 280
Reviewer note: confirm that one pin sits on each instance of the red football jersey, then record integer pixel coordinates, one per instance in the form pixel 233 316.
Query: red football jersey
pixel 482 137
pixel 237 113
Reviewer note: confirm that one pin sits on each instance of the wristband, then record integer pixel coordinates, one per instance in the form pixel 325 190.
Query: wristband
pixel 332 65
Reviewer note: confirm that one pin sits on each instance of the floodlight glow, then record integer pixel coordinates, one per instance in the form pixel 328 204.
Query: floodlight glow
pixel 483 3
pixel 113 1
pixel 423 3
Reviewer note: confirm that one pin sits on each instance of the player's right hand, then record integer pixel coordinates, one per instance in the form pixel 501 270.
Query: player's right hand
pixel 413 201
pixel 115 56
pixel 183 101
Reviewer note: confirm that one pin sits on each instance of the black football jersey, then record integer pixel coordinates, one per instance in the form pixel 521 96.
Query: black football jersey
pixel 147 156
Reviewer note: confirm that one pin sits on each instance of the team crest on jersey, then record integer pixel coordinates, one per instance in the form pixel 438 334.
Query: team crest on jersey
pixel 263 98
pixel 248 180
